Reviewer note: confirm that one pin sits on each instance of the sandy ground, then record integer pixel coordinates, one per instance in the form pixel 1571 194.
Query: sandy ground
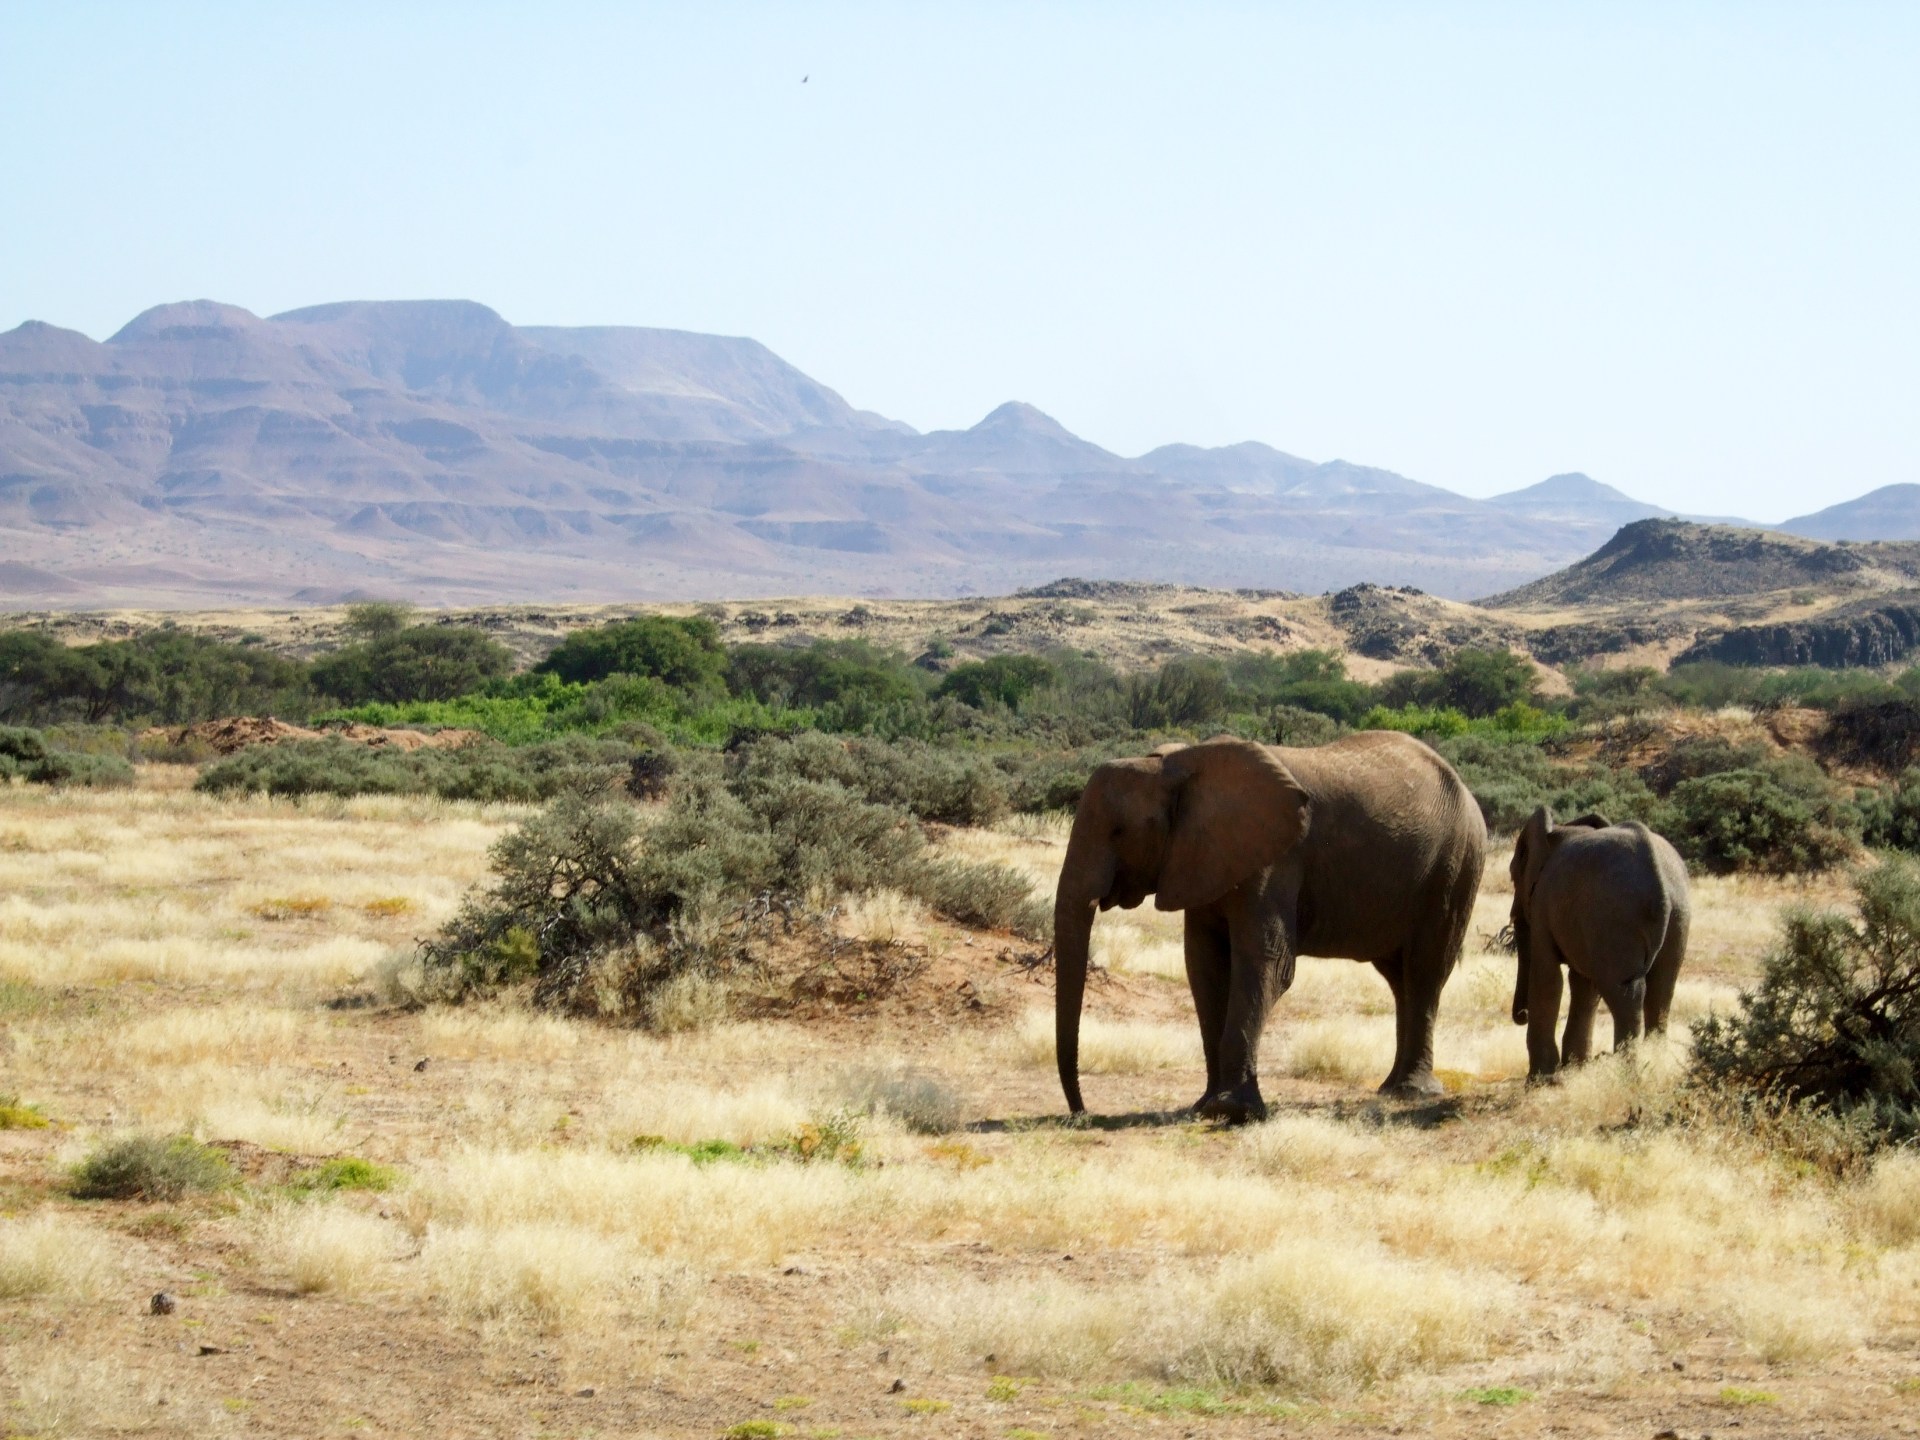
pixel 551 1262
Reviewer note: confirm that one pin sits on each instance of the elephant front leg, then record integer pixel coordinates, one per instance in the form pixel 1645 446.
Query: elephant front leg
pixel 1261 968
pixel 1209 968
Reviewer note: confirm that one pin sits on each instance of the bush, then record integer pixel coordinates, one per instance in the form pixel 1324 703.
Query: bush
pixel 1511 778
pixel 602 911
pixel 928 782
pixel 30 755
pixel 1002 680
pixel 484 772
pixel 164 677
pixel 684 653
pixel 1189 692
pixel 1781 818
pixel 421 662
pixel 150 1167
pixel 1835 1022
pixel 66 767
pixel 1702 755
pixel 1890 815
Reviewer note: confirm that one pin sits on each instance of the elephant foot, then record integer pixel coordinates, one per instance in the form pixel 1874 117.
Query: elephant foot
pixel 1237 1106
pixel 1421 1084
pixel 1543 1077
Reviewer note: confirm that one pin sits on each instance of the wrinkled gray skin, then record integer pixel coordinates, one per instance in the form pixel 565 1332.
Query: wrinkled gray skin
pixel 1369 848
pixel 1610 903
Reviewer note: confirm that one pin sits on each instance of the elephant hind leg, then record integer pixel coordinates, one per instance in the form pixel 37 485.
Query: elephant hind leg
pixel 1665 974
pixel 1583 1000
pixel 1627 1003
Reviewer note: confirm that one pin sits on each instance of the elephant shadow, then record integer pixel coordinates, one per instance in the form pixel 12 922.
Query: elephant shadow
pixel 1382 1112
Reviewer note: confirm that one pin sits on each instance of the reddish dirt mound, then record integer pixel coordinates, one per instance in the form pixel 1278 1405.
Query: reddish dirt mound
pixel 241 732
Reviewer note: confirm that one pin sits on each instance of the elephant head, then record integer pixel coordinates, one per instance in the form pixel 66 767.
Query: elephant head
pixel 1185 825
pixel 1535 844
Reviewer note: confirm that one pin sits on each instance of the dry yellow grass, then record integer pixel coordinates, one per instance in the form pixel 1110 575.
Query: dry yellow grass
pixel 1332 1252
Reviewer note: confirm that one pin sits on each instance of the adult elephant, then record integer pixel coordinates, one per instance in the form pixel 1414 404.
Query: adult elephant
pixel 1609 902
pixel 1368 848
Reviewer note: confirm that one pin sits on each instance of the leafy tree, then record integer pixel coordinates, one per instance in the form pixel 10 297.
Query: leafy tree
pixel 1188 692
pixel 1480 683
pixel 422 662
pixel 378 619
pixel 682 651
pixel 165 676
pixel 1002 679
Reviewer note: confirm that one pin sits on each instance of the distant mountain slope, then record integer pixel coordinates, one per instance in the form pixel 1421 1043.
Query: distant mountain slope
pixel 1577 499
pixel 1890 513
pixel 1653 560
pixel 432 450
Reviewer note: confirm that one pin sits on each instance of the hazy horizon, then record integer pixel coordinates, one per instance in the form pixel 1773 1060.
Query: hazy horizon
pixel 1478 249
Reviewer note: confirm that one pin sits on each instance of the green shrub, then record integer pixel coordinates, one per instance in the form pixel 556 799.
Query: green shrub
pixel 1835 1021
pixel 683 653
pixel 164 677
pixel 1890 814
pixel 150 1167
pixel 587 897
pixel 929 782
pixel 347 1172
pixel 1289 724
pixel 1701 755
pixel 484 772
pixel 1434 723
pixel 1001 680
pixel 421 662
pixel 1782 817
pixel 1189 692
pixel 66 767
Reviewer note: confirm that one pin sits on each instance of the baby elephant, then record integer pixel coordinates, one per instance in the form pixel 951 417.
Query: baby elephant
pixel 1610 903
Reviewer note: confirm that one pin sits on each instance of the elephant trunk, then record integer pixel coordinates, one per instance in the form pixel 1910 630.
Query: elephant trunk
pixel 1521 949
pixel 1072 932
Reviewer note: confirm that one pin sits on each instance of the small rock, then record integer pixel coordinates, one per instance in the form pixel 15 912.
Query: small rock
pixel 421 1065
pixel 1679 1364
pixel 898 1387
pixel 162 1304
pixel 796 1270
pixel 585 1392
pixel 883 1356
pixel 1666 1435
pixel 212 1350
pixel 1066 1257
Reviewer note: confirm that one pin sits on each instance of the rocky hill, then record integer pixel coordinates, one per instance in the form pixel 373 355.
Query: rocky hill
pixel 433 451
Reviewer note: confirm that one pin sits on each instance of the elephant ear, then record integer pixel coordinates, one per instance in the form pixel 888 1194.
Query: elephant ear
pixel 1530 855
pixel 1235 809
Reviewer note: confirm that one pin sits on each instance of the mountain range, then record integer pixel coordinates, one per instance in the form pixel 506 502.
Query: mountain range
pixel 429 450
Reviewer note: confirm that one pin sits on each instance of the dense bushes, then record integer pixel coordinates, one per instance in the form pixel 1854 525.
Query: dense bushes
pixel 32 756
pixel 484 771
pixel 1780 817
pixel 164 677
pixel 594 904
pixel 683 653
pixel 420 662
pixel 1835 1022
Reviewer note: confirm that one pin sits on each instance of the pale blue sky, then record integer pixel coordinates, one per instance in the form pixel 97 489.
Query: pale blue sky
pixel 1671 245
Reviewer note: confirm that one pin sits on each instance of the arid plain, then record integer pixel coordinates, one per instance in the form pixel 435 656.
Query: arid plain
pixel 564 1251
